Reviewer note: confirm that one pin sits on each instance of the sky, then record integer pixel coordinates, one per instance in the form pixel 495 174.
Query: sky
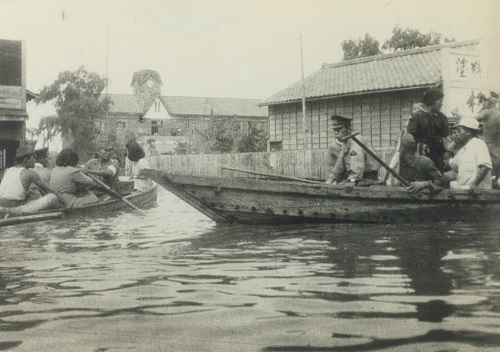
pixel 224 48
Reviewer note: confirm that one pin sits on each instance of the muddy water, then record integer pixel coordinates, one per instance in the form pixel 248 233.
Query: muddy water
pixel 171 280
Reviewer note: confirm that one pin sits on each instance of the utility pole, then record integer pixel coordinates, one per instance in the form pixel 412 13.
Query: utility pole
pixel 304 129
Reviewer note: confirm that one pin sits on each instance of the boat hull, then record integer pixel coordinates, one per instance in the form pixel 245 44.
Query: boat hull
pixel 142 200
pixel 254 201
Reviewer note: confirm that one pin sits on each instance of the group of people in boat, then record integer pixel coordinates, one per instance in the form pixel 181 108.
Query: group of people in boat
pixel 30 186
pixel 430 154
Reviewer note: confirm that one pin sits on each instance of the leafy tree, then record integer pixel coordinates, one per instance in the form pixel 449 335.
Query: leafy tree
pixel 254 141
pixel 184 147
pixel 404 39
pixel 223 133
pixel 360 48
pixel 77 99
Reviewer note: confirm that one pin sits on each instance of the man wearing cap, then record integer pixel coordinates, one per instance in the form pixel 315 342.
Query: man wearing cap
pixel 105 168
pixel 16 183
pixel 352 164
pixel 417 169
pixel 471 165
pixel 429 126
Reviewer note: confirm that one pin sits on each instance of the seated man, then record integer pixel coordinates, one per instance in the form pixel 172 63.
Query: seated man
pixel 471 166
pixel 418 170
pixel 105 168
pixel 353 164
pixel 41 168
pixel 16 183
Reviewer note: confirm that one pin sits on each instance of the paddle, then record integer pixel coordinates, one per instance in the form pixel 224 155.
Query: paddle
pixel 271 175
pixel 375 156
pixel 113 192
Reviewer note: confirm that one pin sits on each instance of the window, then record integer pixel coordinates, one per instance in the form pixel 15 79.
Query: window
pixel 276 146
pixel 157 106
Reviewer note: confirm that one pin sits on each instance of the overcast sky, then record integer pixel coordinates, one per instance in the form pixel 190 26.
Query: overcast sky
pixel 221 48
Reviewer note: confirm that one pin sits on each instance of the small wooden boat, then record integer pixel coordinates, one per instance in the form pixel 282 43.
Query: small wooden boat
pixel 142 200
pixel 256 201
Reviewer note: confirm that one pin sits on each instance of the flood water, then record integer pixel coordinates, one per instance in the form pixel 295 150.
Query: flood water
pixel 171 280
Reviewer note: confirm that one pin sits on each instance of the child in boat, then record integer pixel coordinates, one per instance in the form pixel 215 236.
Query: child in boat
pixel 67 179
pixel 135 153
pixel 17 181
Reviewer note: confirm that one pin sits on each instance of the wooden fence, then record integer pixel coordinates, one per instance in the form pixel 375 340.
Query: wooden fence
pixel 311 164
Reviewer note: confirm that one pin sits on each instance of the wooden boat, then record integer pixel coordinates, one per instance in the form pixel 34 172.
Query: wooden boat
pixel 256 201
pixel 142 200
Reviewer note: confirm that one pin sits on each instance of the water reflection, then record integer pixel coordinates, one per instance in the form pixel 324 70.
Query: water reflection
pixel 193 285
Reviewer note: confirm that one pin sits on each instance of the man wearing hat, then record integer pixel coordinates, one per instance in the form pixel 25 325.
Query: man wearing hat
pixel 17 181
pixel 417 169
pixel 104 167
pixel 429 126
pixel 352 164
pixel 471 166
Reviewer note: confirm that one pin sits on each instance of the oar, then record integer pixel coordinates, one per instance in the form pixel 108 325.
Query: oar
pixel 113 192
pixel 15 220
pixel 271 175
pixel 375 156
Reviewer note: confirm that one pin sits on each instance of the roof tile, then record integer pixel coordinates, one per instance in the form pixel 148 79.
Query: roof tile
pixel 405 69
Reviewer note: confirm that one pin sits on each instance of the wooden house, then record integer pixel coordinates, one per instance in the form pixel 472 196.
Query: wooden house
pixel 13 97
pixel 377 92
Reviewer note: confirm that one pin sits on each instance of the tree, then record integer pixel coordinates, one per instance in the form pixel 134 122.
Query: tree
pixel 254 141
pixel 184 148
pixel 360 48
pixel 404 39
pixel 223 133
pixel 77 99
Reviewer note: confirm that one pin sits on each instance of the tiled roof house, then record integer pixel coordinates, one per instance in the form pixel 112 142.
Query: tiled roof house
pixel 378 92
pixel 148 113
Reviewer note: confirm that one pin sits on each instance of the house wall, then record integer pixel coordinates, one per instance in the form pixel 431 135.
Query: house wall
pixel 13 114
pixel 379 117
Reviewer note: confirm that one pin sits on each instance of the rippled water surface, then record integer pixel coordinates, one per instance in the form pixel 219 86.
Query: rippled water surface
pixel 171 280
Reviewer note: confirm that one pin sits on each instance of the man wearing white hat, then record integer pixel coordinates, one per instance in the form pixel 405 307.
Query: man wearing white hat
pixel 471 166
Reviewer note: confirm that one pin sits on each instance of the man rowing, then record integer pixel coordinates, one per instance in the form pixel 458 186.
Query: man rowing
pixel 104 167
pixel 353 164
pixel 17 181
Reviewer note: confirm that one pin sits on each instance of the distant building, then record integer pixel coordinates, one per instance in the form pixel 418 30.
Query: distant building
pixel 147 113
pixel 377 91
pixel 13 96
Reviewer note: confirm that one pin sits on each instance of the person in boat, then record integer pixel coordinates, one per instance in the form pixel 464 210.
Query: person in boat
pixel 104 167
pixel 353 164
pixel 489 116
pixel 138 162
pixel 418 170
pixel 471 166
pixel 17 180
pixel 41 168
pixel 69 180
pixel 429 126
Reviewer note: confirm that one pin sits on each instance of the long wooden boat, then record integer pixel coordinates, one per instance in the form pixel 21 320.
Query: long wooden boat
pixel 142 200
pixel 256 201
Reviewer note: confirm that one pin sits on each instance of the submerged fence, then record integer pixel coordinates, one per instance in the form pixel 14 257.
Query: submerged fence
pixel 311 164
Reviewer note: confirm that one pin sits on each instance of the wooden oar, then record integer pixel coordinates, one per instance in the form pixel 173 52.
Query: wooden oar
pixel 271 175
pixel 375 156
pixel 113 192
pixel 15 220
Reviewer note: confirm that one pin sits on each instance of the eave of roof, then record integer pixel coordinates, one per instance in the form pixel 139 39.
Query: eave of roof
pixel 410 69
